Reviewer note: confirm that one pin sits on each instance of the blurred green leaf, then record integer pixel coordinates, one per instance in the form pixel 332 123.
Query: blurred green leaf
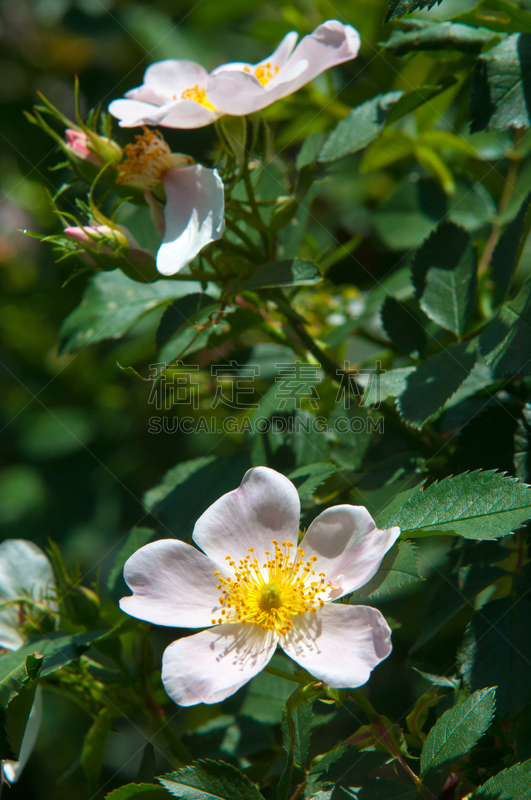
pixel 508 251
pixel 289 272
pixel 458 730
pixel 138 791
pixel 506 340
pixel 94 744
pixel 475 505
pixel 498 15
pixel 425 35
pixel 362 126
pixel 399 568
pixel 210 780
pixel 308 479
pixel 55 432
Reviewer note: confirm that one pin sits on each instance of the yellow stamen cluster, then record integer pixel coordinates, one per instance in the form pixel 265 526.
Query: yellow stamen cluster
pixel 264 73
pixel 269 594
pixel 145 161
pixel 198 94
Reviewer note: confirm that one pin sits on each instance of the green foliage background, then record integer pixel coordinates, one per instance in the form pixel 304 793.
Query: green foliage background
pixel 418 220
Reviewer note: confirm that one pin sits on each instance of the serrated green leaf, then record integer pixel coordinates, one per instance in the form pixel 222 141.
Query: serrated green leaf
pixel 389 384
pixel 289 272
pixel 58 650
pixel 138 791
pixel 497 650
pixel 444 274
pixel 434 382
pixel 508 251
pixel 506 340
pixel 425 35
pixel 509 784
pixel 210 780
pixel 498 15
pixel 308 479
pixel 183 313
pixel 397 8
pixel 475 505
pixel 111 304
pixel 361 127
pixel 297 729
pixel 136 538
pixel 522 445
pixel 399 568
pixel 346 766
pixel 458 730
pixel 501 87
pixel 403 327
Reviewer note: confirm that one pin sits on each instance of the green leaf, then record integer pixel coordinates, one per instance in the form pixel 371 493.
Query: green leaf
pixel 501 86
pixel 475 505
pixel 458 730
pixel 498 15
pixel 210 780
pixel 397 8
pixel 138 791
pixel 308 479
pixel 444 274
pixel 508 784
pixel 136 538
pixel 433 383
pixel 183 313
pixel 403 327
pixel 266 695
pixel 381 789
pixel 94 743
pixel 508 251
pixel 522 445
pixel 297 728
pixel 389 384
pixel 17 694
pixel 506 340
pixel 58 650
pixel 497 650
pixel 111 304
pixel 424 35
pixel 344 765
pixel 422 94
pixel 399 568
pixel 289 272
pixel 361 127
pixel 191 487
pixel 455 593
pixel 390 147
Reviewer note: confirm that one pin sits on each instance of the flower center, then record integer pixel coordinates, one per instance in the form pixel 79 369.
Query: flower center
pixel 264 73
pixel 145 161
pixel 269 594
pixel 198 94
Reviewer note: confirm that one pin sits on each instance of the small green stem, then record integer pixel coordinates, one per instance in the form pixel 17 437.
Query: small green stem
pixel 365 705
pixel 287 675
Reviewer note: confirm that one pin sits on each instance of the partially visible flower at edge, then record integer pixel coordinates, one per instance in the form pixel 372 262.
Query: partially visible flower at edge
pixel 181 94
pixel 24 571
pixel 194 213
pixel 252 588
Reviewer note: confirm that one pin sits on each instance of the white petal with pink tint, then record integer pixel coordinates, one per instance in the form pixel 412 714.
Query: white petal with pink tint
pixel 348 545
pixel 340 644
pixel 236 90
pixel 213 664
pixel 194 215
pixel 173 584
pixel 265 506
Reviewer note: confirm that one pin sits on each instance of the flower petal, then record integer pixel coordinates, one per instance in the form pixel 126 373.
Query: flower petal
pixel 238 92
pixel 12 769
pixel 173 584
pixel 348 545
pixel 193 215
pixel 339 644
pixel 210 666
pixel 136 112
pixel 170 78
pixel 264 507
pixel 23 569
pixel 278 57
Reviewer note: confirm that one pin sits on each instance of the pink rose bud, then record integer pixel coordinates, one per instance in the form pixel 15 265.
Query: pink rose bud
pixel 77 142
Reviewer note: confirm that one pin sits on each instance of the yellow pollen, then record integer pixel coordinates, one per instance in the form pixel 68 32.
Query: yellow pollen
pixel 264 73
pixel 145 161
pixel 198 94
pixel 269 595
